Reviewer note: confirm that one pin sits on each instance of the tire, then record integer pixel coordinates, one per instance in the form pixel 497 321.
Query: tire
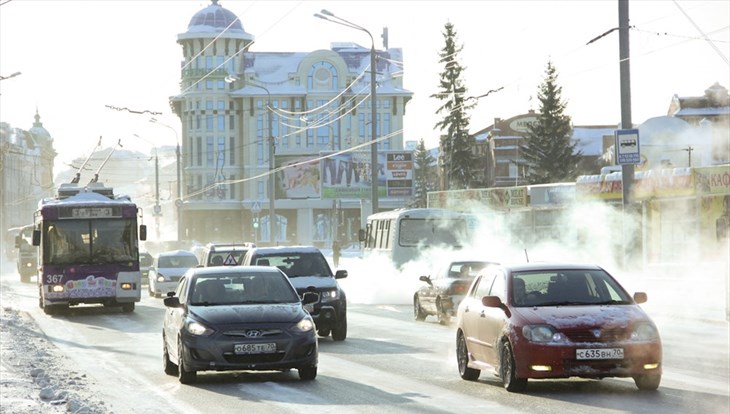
pixel 25 278
pixel 507 370
pixel 167 365
pixel 323 332
pixel 128 307
pixel 462 359
pixel 647 382
pixel 185 376
pixel 418 312
pixel 444 317
pixel 308 373
pixel 340 332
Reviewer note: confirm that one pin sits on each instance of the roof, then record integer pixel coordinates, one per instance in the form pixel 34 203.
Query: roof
pixel 176 253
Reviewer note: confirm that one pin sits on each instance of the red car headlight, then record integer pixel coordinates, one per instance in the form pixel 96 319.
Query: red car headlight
pixel 542 333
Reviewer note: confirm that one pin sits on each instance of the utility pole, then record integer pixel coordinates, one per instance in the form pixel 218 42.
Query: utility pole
pixel 630 241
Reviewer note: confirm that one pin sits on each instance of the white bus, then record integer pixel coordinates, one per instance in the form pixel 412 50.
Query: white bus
pixel 403 234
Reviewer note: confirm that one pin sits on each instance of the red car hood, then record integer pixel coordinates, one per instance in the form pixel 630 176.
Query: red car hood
pixel 577 316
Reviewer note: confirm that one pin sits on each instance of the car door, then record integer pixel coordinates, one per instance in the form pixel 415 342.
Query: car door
pixel 427 294
pixel 472 314
pixel 175 318
pixel 493 320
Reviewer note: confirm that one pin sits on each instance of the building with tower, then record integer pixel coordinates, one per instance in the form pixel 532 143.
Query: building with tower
pixel 301 118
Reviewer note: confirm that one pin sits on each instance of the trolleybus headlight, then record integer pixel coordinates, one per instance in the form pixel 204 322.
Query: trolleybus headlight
pixel 126 286
pixel 57 288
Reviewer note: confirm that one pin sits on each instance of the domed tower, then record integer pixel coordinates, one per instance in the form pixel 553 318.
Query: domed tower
pixel 212 48
pixel 44 142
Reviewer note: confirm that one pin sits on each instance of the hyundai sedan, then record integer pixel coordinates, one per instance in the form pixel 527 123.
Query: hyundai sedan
pixel 238 318
pixel 555 321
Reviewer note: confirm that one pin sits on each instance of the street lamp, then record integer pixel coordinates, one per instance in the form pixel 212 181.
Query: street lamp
pixel 330 17
pixel 178 202
pixel 157 212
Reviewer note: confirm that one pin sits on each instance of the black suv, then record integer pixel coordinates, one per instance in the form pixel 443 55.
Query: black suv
pixel 219 254
pixel 309 271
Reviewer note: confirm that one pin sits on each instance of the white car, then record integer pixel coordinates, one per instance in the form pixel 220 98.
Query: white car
pixel 167 269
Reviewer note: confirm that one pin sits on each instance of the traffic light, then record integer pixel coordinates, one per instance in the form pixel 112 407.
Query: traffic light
pixel 255 222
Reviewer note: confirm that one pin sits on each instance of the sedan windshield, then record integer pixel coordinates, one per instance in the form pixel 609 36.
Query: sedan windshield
pixel 254 288
pixel 566 288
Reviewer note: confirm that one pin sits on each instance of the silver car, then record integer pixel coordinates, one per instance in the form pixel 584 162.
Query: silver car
pixel 166 271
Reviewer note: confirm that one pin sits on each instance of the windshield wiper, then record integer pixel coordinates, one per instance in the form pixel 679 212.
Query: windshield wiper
pixel 565 303
pixel 613 302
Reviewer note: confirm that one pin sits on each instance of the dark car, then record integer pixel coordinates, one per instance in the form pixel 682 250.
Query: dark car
pixel 145 262
pixel 309 271
pixel 237 318
pixel 444 289
pixel 555 321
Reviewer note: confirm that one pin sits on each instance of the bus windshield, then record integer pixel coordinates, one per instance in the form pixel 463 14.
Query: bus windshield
pixel 90 241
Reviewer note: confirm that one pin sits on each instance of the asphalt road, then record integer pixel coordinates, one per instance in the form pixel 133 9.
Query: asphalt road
pixel 389 363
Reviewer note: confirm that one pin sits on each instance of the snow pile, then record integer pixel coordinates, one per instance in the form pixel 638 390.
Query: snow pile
pixel 32 378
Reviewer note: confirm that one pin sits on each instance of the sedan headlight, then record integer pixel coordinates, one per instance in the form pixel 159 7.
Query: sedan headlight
pixel 644 332
pixel 198 329
pixel 160 278
pixel 542 333
pixel 329 295
pixel 305 325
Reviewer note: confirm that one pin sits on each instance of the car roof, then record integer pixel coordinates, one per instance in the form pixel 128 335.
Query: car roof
pixel 227 270
pixel 176 253
pixel 520 267
pixel 229 246
pixel 285 249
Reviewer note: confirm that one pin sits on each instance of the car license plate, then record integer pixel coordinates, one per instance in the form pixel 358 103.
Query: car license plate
pixel 254 348
pixel 603 353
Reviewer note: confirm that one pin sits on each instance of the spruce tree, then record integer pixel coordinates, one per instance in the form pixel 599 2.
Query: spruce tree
pixel 549 156
pixel 455 143
pixel 425 175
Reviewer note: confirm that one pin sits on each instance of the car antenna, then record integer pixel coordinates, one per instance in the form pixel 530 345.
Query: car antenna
pixel 527 257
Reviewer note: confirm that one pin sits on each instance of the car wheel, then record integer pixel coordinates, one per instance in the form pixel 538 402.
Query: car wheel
pixel 25 278
pixel 185 376
pixel 323 332
pixel 128 307
pixel 444 317
pixel 507 370
pixel 462 359
pixel 170 368
pixel 340 332
pixel 418 312
pixel 647 382
pixel 308 373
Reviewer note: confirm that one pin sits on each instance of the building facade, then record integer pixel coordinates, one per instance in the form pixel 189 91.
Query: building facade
pixel 26 162
pixel 301 119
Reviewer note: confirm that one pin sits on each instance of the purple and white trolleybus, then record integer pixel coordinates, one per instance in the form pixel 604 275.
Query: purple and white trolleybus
pixel 88 248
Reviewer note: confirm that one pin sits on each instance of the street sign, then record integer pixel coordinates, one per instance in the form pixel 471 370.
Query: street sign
pixel 627 146
pixel 256 207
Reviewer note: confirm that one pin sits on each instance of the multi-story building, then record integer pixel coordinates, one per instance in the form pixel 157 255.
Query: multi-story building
pixel 26 163
pixel 248 117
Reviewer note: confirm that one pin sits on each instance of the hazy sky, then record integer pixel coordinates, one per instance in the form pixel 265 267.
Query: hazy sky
pixel 76 57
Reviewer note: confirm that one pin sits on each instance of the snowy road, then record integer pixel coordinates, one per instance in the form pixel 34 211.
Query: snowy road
pixel 389 363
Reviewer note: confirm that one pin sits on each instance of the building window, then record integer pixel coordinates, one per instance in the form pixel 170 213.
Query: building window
pixel 209 152
pixel 209 84
pixel 221 123
pixel 232 153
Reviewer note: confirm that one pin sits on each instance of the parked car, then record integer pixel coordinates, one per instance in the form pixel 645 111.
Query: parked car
pixel 238 318
pixel 166 271
pixel 145 263
pixel 309 271
pixel 444 289
pixel 219 254
pixel 555 321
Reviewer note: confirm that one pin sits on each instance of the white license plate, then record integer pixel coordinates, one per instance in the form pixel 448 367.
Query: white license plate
pixel 254 348
pixel 602 353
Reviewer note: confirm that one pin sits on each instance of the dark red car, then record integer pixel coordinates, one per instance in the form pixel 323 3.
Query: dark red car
pixel 555 321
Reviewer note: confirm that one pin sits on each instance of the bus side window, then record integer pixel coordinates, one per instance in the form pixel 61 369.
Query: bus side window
pixel 36 237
